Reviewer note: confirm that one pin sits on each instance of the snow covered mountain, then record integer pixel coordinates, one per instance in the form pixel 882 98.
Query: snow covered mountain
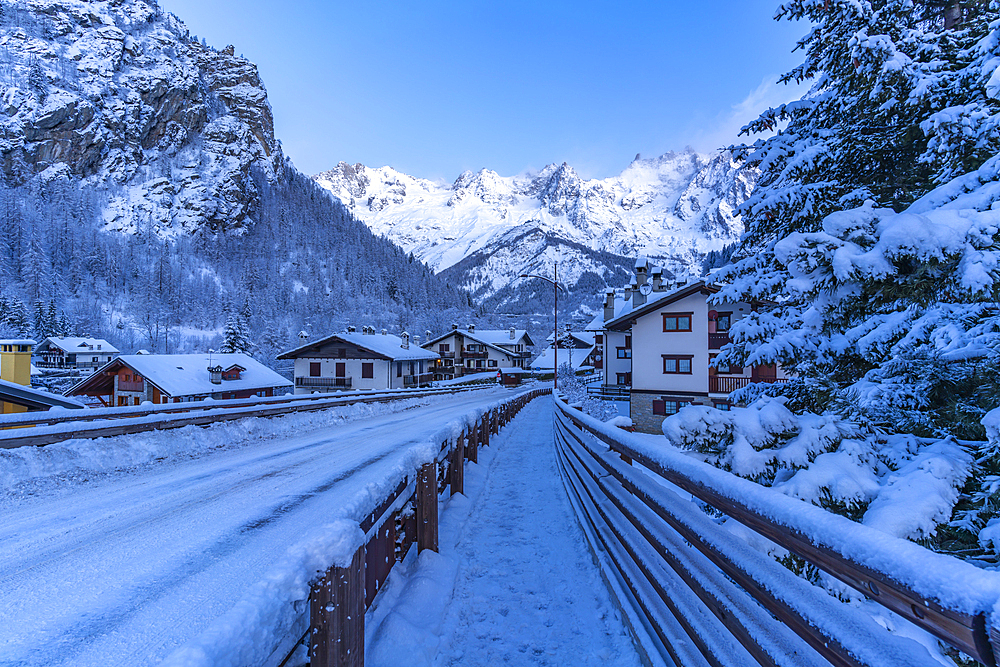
pixel 119 95
pixel 676 207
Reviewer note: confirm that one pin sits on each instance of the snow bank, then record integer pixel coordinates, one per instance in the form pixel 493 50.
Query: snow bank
pixel 266 615
pixel 83 457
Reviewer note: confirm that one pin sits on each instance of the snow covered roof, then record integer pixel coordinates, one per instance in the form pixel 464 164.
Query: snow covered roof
pixel 187 374
pixel 17 341
pixel 74 344
pixel 584 338
pixel 383 345
pixel 546 360
pixel 12 392
pixel 492 337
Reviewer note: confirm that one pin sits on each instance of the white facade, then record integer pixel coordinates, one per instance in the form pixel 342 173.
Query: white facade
pixel 675 336
pixel 74 353
pixel 466 352
pixel 360 361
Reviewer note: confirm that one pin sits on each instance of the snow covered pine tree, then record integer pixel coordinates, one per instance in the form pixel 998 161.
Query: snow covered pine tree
pixel 872 247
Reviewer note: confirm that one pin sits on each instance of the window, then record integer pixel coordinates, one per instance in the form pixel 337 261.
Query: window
pixel 493 363
pixel 368 370
pixel 624 379
pixel 628 342
pixel 479 363
pixel 122 400
pixel 341 352
pixel 677 321
pixel 723 322
pixel 722 406
pixel 449 362
pixel 399 369
pixel 624 353
pixel 341 369
pixel 444 347
pixel 598 338
pixel 676 365
pixel 730 370
pixel 95 358
pixel 667 406
pixel 314 370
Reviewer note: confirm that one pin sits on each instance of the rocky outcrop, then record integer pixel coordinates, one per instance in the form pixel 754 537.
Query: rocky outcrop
pixel 123 97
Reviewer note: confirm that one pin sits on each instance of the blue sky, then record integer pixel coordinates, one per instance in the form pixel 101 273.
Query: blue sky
pixel 433 88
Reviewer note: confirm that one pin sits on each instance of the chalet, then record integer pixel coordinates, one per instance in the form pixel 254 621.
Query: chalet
pixel 16 393
pixel 178 378
pixel 365 360
pixel 676 334
pixel 577 348
pixel 468 351
pixel 73 353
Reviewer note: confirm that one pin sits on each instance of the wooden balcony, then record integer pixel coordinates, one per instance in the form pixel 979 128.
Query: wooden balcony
pixel 724 384
pixel 336 383
pixel 447 355
pixel 717 340
pixel 474 355
pixel 417 380
pixel 131 386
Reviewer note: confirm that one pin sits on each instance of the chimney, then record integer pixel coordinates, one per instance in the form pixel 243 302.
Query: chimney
pixel 609 305
pixel 416 341
pixel 454 327
pixel 513 331
pixel 352 329
pixel 385 332
pixel 657 279
pixel 215 374
pixel 472 328
pixel 303 337
pixel 404 337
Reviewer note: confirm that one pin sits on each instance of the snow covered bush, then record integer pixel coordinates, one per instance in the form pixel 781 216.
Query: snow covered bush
pixel 576 394
pixel 902 484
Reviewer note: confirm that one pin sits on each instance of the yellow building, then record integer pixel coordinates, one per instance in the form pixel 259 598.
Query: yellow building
pixel 15 366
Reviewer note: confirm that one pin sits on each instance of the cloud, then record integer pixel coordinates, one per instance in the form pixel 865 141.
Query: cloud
pixel 725 128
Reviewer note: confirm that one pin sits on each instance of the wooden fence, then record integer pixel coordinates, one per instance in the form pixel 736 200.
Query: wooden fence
pixel 125 421
pixel 409 515
pixel 696 593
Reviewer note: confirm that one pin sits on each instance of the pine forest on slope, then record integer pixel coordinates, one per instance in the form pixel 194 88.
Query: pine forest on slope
pixel 144 195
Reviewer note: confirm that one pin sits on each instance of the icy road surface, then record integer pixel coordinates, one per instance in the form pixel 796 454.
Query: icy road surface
pixel 124 568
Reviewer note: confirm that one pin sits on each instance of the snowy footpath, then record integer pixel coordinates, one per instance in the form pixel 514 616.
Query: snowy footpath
pixel 514 583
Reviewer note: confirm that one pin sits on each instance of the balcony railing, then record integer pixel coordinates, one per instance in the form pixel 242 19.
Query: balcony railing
pixel 417 380
pixel 722 384
pixel 717 340
pixel 339 383
pixel 128 385
pixel 473 355
pixel 447 355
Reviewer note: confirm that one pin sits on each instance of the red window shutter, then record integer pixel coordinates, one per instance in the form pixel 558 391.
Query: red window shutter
pixel 660 408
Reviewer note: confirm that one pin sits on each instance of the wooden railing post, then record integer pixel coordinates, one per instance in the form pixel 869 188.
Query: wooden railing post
pixel 427 511
pixel 337 616
pixel 472 450
pixel 457 467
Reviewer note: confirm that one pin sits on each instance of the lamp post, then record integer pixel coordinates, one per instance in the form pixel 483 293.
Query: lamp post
pixel 555 316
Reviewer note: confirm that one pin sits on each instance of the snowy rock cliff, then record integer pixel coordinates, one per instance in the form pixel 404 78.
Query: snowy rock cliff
pixel 676 207
pixel 119 95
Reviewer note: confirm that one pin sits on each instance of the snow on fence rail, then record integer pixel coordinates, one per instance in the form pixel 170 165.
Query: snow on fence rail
pixel 696 594
pixel 28 429
pixel 391 523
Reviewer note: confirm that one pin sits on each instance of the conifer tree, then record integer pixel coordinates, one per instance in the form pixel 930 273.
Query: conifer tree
pixel 870 234
pixel 235 338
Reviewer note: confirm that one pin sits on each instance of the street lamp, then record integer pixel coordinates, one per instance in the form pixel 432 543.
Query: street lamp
pixel 555 316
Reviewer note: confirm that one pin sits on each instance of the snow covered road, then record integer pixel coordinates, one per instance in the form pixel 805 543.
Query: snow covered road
pixel 123 568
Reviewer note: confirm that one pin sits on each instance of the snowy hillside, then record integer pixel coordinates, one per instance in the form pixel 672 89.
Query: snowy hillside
pixel 677 206
pixel 120 95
